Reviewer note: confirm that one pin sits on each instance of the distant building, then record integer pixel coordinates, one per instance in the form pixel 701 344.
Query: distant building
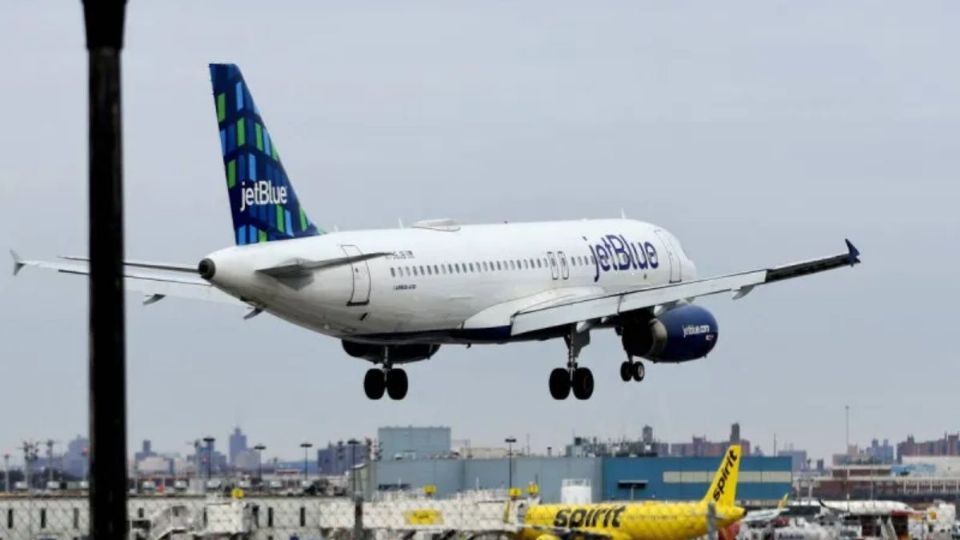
pixel 484 452
pixel 247 460
pixel 875 454
pixel 414 442
pixel 146 451
pixel 949 445
pixel 238 444
pixel 155 465
pixel 75 459
pixel 337 459
pixel 584 447
pixel 701 447
pixel 207 459
pixel 798 459
pixel 881 453
pixel 762 480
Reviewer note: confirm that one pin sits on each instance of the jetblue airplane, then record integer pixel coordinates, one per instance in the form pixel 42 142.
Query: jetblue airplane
pixel 395 296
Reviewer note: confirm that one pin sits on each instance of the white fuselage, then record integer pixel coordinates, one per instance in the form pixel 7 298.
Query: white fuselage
pixel 448 283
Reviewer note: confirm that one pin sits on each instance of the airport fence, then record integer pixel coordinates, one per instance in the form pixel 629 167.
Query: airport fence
pixel 275 517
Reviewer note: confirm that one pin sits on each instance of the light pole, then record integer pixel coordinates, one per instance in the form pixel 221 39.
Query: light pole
pixel 260 448
pixel 353 464
pixel 306 447
pixel 209 440
pixel 510 441
pixel 6 473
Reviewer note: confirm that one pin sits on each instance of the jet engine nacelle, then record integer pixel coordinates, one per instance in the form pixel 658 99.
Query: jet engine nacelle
pixel 397 354
pixel 685 332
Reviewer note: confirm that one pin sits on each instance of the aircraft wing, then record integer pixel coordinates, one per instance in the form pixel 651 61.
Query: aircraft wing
pixel 155 280
pixel 601 307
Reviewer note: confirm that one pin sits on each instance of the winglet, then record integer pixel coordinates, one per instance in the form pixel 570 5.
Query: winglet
pixel 18 263
pixel 853 254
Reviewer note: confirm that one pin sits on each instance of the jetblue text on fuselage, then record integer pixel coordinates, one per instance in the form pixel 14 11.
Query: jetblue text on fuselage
pixel 261 192
pixel 614 252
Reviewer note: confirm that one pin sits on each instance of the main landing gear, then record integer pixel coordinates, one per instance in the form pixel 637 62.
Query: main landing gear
pixel 387 379
pixel 632 369
pixel 573 377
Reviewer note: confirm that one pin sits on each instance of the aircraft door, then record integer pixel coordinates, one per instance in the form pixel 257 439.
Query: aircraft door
pixel 554 272
pixel 361 277
pixel 564 267
pixel 672 258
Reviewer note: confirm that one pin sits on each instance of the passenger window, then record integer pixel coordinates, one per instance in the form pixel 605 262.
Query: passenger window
pixel 436 270
pixel 415 271
pixel 393 273
pixel 422 273
pixel 513 266
pixel 429 270
pixel 449 268
pixel 457 267
pixel 539 265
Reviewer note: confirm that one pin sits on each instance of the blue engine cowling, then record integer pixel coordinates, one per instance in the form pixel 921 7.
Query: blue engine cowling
pixel 686 332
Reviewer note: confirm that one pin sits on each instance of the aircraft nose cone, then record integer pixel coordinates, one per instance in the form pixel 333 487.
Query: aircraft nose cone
pixel 207 269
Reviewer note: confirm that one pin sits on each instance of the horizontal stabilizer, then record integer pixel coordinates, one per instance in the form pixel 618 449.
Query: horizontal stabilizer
pixel 17 262
pixel 169 267
pixel 302 267
pixel 157 281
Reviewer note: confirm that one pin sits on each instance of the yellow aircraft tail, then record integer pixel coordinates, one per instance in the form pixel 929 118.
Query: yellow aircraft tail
pixel 723 489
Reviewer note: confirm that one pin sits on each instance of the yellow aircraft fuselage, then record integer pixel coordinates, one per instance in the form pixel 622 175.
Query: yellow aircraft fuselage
pixel 627 521
pixel 653 520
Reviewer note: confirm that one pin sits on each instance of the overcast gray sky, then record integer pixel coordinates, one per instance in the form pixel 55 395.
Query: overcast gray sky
pixel 759 132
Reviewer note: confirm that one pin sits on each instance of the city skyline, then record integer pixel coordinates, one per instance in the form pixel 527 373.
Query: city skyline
pixel 872 448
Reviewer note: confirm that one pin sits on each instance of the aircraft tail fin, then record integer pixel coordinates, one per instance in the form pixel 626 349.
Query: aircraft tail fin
pixel 723 489
pixel 264 205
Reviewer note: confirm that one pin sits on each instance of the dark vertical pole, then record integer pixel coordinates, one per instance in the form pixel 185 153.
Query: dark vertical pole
pixel 358 517
pixel 108 422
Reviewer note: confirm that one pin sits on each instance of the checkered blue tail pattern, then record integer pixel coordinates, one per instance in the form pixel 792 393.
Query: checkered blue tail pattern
pixel 263 202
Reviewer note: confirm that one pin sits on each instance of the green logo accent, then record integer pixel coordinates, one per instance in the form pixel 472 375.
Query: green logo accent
pixel 241 132
pixel 231 173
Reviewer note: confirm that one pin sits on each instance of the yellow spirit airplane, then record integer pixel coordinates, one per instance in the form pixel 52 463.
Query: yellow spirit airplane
pixel 649 520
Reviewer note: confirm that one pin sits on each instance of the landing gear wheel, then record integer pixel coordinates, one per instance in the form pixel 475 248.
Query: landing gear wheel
pixel 626 371
pixel 559 384
pixel 639 372
pixel 374 383
pixel 582 383
pixel 397 384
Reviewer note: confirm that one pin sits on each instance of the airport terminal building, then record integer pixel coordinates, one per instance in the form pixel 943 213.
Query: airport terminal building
pixel 762 479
